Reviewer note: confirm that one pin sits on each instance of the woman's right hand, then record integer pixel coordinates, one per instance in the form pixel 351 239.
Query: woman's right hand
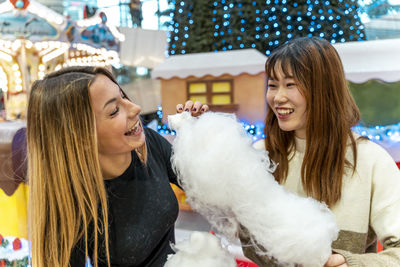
pixel 196 108
pixel 336 260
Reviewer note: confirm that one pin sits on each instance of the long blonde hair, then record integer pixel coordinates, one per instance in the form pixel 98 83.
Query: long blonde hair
pixel 331 112
pixel 67 191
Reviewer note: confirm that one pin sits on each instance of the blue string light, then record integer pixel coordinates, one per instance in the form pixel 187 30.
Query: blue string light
pixel 322 18
pixel 388 133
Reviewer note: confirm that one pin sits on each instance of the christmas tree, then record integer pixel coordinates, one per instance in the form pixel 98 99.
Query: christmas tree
pixel 204 26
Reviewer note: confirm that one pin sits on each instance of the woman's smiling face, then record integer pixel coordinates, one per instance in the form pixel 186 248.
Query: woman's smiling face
pixel 288 103
pixel 118 126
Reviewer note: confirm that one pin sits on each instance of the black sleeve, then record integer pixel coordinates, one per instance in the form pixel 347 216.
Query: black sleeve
pixel 165 149
pixel 78 258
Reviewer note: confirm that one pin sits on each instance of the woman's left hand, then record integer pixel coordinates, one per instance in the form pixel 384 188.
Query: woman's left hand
pixel 336 260
pixel 196 108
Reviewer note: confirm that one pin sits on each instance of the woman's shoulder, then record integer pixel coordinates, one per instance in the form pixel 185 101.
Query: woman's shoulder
pixel 152 136
pixel 368 150
pixel 156 143
pixel 368 146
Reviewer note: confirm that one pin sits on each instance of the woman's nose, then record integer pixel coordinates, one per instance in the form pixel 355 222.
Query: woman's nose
pixel 133 109
pixel 280 96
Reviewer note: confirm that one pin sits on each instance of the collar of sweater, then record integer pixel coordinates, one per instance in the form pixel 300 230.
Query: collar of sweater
pixel 300 145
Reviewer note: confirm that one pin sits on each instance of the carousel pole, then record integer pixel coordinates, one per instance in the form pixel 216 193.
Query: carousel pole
pixel 5 98
pixel 23 66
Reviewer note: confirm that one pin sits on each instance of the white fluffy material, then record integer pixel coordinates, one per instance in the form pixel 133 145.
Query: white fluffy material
pixel 201 250
pixel 229 182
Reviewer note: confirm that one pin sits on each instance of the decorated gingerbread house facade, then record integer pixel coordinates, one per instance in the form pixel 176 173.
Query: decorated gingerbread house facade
pixel 232 81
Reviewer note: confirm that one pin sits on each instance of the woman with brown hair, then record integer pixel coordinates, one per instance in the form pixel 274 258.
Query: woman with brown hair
pixel 99 181
pixel 308 133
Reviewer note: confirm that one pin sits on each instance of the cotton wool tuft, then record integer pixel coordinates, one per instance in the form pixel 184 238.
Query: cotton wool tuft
pixel 230 183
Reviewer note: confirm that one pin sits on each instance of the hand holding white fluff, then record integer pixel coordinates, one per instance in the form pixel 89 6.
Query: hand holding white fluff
pixel 229 182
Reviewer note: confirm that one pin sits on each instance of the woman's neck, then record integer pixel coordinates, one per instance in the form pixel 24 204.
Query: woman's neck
pixel 113 166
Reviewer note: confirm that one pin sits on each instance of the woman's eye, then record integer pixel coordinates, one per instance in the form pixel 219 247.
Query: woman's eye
pixel 290 84
pixel 271 86
pixel 114 112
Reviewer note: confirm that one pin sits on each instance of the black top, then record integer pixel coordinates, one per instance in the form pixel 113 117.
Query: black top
pixel 142 211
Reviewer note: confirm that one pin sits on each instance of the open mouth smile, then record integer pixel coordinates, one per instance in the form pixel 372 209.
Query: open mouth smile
pixel 284 111
pixel 134 130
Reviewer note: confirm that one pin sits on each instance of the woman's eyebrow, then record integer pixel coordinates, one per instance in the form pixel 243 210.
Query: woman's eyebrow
pixel 110 101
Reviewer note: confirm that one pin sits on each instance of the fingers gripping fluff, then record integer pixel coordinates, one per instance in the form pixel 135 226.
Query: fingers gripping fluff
pixel 229 182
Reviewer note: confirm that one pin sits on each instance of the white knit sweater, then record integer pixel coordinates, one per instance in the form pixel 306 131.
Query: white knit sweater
pixel 369 207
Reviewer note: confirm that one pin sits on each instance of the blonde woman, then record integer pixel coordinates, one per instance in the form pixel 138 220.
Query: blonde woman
pixel 308 132
pixel 99 181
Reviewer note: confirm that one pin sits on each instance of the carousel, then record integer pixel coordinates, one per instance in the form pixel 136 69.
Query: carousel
pixel 35 40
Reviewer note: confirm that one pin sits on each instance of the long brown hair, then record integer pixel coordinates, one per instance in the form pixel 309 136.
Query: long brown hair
pixel 66 184
pixel 331 112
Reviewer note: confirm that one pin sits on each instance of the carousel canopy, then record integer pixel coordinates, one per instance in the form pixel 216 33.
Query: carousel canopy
pixel 34 22
pixel 232 62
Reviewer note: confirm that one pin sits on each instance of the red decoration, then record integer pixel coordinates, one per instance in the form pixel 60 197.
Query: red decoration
pixel 17 244
pixel 2 263
pixel 14 3
pixel 398 164
pixel 1 239
pixel 243 263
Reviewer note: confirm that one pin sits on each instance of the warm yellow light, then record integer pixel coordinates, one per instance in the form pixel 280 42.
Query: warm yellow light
pixel 15 67
pixel 54 54
pixel 16 45
pixel 18 88
pixel 28 44
pixel 41 67
pixel 38 46
pixel 3 80
pixel 5 56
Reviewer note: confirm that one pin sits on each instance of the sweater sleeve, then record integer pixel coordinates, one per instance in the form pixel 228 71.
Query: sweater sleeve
pixel 385 214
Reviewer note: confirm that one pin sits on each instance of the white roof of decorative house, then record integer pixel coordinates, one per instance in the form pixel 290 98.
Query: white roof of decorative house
pixel 390 21
pixel 362 61
pixel 233 62
pixel 378 59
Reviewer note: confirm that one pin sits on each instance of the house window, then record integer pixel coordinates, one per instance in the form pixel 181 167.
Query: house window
pixel 211 92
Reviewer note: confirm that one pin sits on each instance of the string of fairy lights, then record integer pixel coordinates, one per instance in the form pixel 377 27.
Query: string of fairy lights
pixel 271 23
pixel 380 133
